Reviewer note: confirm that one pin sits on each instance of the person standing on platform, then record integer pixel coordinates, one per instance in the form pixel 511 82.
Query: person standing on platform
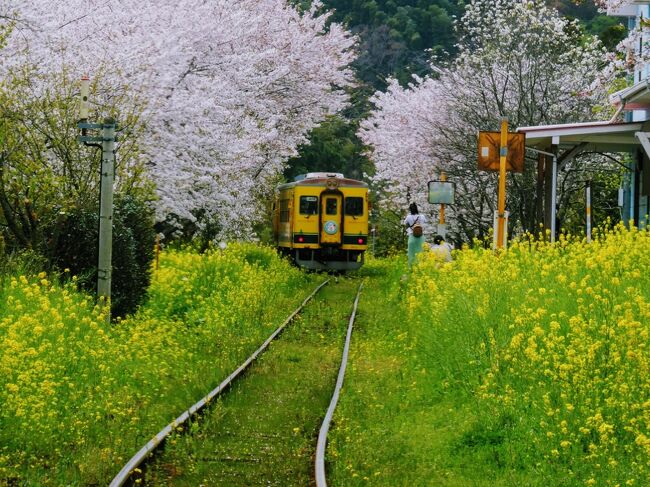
pixel 414 223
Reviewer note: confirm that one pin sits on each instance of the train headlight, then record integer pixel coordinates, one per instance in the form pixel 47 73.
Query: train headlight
pixel 360 240
pixel 301 239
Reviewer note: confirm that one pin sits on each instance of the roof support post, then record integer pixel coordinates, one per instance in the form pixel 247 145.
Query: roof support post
pixel 643 138
pixel 554 149
pixel 539 191
pixel 548 182
pixel 550 190
pixel 635 187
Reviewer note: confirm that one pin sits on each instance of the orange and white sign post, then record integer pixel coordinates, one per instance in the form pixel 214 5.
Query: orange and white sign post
pixel 503 154
pixel 443 178
pixel 501 151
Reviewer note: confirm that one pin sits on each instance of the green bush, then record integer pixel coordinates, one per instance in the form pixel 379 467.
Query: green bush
pixel 390 238
pixel 75 245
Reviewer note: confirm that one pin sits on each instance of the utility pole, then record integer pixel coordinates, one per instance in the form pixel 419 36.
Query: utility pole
pixel 106 142
pixel 104 266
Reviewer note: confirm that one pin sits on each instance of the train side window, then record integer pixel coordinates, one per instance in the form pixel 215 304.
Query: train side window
pixel 354 206
pixel 284 210
pixel 309 205
pixel 330 206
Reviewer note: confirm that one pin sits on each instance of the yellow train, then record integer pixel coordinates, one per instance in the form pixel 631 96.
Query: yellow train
pixel 321 221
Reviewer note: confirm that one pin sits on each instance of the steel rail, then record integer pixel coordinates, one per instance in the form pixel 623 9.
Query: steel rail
pixel 147 449
pixel 322 435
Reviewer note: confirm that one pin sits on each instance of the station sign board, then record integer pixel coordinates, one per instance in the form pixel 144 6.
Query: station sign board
pixel 442 192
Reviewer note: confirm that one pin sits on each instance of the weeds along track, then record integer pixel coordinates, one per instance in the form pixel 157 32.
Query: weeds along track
pixel 264 431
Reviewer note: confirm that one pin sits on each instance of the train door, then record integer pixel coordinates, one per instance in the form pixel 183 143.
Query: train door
pixel 331 216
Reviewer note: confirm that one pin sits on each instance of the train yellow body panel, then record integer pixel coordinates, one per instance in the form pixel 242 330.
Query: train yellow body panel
pixel 321 221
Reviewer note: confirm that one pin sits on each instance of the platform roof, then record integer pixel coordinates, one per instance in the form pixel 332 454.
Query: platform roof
pixel 591 136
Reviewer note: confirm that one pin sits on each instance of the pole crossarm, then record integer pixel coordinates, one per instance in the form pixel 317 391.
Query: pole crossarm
pixel 92 126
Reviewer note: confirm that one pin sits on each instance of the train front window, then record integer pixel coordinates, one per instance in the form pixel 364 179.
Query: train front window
pixel 330 206
pixel 309 205
pixel 354 206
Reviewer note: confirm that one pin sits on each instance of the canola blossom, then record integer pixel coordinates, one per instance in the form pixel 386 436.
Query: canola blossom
pixel 79 396
pixel 552 342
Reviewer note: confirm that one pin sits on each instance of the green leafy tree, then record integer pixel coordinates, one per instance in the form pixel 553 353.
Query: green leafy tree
pixel 610 30
pixel 334 147
pixel 44 171
pixel 74 246
pixel 394 34
pixel 49 183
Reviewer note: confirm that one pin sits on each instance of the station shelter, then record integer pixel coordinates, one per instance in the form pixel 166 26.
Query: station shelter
pixel 628 131
pixel 556 145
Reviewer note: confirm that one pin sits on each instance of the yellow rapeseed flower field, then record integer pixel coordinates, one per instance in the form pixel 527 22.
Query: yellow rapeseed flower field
pixel 553 342
pixel 79 396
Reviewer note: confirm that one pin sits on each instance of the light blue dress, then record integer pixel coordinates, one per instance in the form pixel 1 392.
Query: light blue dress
pixel 414 243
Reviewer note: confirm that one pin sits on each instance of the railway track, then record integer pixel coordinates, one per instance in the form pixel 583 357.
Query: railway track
pixel 263 431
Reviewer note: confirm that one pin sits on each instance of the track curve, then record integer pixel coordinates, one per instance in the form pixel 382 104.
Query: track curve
pixel 139 458
pixel 321 480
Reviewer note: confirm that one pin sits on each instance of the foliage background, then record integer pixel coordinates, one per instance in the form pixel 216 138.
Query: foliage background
pixel 398 39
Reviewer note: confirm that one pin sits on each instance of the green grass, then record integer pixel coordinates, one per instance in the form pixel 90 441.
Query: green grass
pixel 263 432
pixel 399 421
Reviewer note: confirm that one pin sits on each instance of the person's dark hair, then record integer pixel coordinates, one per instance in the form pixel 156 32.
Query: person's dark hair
pixel 413 208
pixel 437 240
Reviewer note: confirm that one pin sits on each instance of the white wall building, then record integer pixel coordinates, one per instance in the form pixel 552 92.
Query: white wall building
pixel 634 102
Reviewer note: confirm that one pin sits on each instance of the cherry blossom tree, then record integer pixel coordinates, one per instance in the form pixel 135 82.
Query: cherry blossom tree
pixel 604 5
pixel 518 59
pixel 226 89
pixel 402 135
pixel 632 54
